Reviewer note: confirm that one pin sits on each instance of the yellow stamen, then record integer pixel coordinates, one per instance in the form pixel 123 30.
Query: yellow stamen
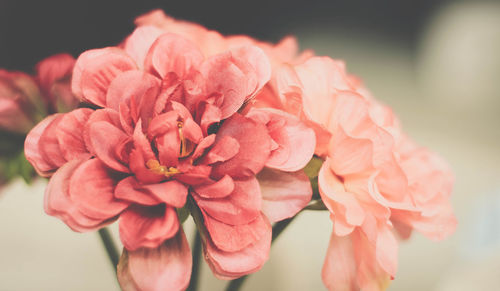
pixel 155 167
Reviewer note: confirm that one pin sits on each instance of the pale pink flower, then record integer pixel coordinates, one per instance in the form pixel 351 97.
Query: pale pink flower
pixel 373 179
pixel 167 130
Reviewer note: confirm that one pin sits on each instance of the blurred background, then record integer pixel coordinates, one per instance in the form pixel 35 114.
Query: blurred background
pixel 437 63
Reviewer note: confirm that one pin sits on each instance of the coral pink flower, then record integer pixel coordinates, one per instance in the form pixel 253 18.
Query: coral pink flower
pixel 373 180
pixel 169 131
pixel 25 100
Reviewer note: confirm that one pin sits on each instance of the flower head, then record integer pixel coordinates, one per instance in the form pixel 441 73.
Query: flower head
pixel 169 131
pixel 374 179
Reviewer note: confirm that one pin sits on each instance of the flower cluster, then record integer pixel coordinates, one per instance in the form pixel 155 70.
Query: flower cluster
pixel 178 118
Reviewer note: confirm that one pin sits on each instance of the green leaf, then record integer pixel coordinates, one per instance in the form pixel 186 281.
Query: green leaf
pixel 26 170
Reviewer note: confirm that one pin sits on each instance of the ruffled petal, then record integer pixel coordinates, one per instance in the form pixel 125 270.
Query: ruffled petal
pixel 218 189
pixel 321 77
pixel 171 192
pixel 232 238
pixel 296 142
pixel 258 60
pixel 348 211
pixel 104 138
pixel 147 226
pixel 138 43
pixel 234 79
pixel 349 154
pixel 254 150
pixel 129 189
pixel 49 145
pixel 58 203
pixel 172 53
pixel 32 147
pixel 95 69
pixel 283 194
pixel 70 134
pixel 130 84
pixel 167 267
pixel 240 207
pixel 92 189
pixel 231 265
pixel 224 149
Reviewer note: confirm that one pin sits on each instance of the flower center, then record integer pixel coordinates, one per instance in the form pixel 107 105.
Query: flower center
pixel 155 167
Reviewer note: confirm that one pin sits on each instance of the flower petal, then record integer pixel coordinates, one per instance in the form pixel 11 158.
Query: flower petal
pixel 94 71
pixel 138 43
pixel 130 84
pixel 350 154
pixel 370 275
pixel 219 189
pixel 129 189
pixel 58 203
pixel 283 194
pixel 105 138
pixel 172 53
pixel 224 149
pixel 171 192
pixel 240 207
pixel 347 210
pixel 231 265
pixel 49 145
pixel 232 238
pixel 147 226
pixel 70 134
pixel 387 250
pixel 258 60
pixel 339 269
pixel 296 141
pixel 92 188
pixel 167 267
pixel 255 147
pixel 224 75
pixel 32 150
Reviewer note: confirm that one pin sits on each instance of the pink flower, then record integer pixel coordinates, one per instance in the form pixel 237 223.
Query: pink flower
pixel 17 110
pixel 373 180
pixel 168 130
pixel 25 100
pixel 212 42
pixel 53 75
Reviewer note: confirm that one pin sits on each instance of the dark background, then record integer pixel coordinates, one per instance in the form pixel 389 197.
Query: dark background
pixel 32 30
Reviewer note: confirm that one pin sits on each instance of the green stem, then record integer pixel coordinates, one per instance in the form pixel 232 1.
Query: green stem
pixel 278 228
pixel 193 284
pixel 109 245
pixel 316 205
